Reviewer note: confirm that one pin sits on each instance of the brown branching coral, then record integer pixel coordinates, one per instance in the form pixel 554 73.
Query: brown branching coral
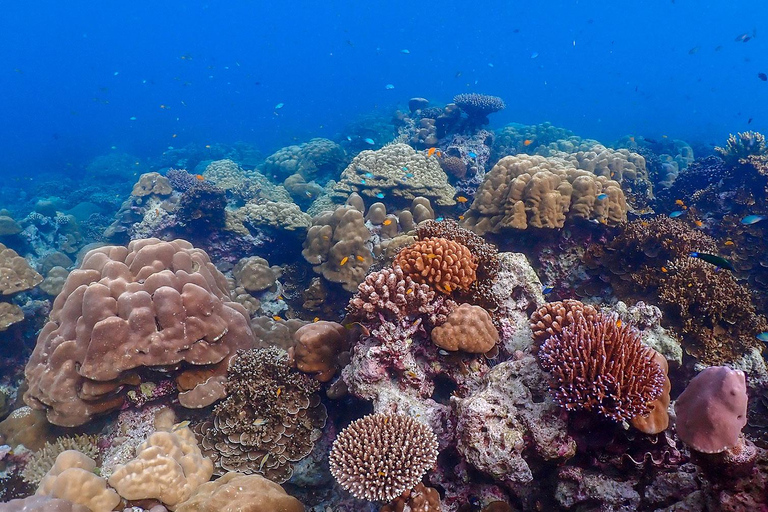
pixel 419 499
pixel 380 456
pixel 444 264
pixel 270 420
pixel 716 312
pixel 602 366
pixel 553 317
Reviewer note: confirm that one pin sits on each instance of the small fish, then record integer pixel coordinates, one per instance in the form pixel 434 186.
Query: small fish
pixel 132 118
pixel 277 318
pixel 359 258
pixel 387 222
pixel 676 214
pixel 619 323
pixel 679 202
pixel 179 426
pixel 728 242
pixel 472 154
pixel 602 197
pixel 664 269
pixel 718 48
pixel 279 392
pixel 263 461
pixel 344 261
pixel 432 151
pixel 405 51
pixel 694 50
pixel 443 352
pixel 749 121
pixel 174 136
pixel 259 422
pixel 457 75
pixel 279 106
pixel 534 55
pixel 698 223
pixel 380 195
pixel 763 336
pixel 462 199
pixel 752 219
pixel 763 77
pixel 490 64
pixel 409 175
pixel 316 319
pixel 742 38
pixel 207 146
pixel 546 290
pixel 404 168
pixel 389 87
pixel 527 142
pixel 369 175
pixel 715 260
pixel 349 138
pixel 632 139
pixel 439 219
pixel 448 288
pixel 409 291
pixel 461 217
pixel 362 181
pixel 369 141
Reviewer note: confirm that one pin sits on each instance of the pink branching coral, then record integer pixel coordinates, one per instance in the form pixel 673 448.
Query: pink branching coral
pixel 602 366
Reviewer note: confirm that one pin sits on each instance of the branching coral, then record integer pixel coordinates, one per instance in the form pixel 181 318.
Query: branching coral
pixel 380 456
pixel 602 366
pixel 270 419
pixel 550 319
pixel 444 264
pixel 159 305
pixel 741 146
pixel 41 461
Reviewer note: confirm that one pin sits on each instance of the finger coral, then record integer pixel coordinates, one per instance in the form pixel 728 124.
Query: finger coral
pixel 602 366
pixel 380 456
pixel 444 264
pixel 270 419
pixel 523 190
pixel 154 304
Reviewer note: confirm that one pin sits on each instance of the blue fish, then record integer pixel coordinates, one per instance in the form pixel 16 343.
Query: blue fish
pixel 405 168
pixel 369 141
pixel 546 290
pixel 409 175
pixel 602 197
pixel 472 154
pixel 717 261
pixel 380 195
pixel 349 138
pixel 763 336
pixel 369 175
pixel 752 219
pixel 279 106
pixel 405 51
pixel 439 219
pixel 362 181
pixel 676 214
pixel 389 87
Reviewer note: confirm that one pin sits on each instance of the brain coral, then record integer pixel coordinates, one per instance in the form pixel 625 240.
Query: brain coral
pixel 524 190
pixel 154 304
pixel 602 366
pixel 396 171
pixel 444 264
pixel 380 456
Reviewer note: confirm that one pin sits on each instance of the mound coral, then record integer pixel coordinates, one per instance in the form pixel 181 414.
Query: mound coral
pixel 15 276
pixel 72 478
pixel 317 349
pixel 467 328
pixel 234 492
pixel 154 304
pixel 444 264
pixel 712 410
pixel 380 456
pixel 397 172
pixel 317 159
pixel 524 190
pixel 270 419
pixel 255 274
pixel 602 366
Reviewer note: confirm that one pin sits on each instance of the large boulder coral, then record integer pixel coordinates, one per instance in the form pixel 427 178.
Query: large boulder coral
pixel 152 305
pixel 72 478
pixel 396 172
pixel 16 275
pixel 317 159
pixel 523 190
pixel 235 492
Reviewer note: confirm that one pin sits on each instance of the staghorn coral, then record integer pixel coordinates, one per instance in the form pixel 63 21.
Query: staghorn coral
pixel 270 420
pixel 397 172
pixel 523 190
pixel 444 264
pixel 72 478
pixel 742 146
pixel 159 305
pixel 602 366
pixel 338 247
pixel 715 311
pixel 380 456
pixel 551 318
pixel 712 409
pixel 168 467
pixel 41 461
pixel 467 328
pixel 317 349
pixel 235 492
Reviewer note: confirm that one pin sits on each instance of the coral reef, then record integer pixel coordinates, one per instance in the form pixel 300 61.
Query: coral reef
pixel 444 264
pixel 41 461
pixel 151 305
pixel 479 106
pixel 741 146
pixel 318 159
pixel 380 456
pixel 72 478
pixel 318 348
pixel 467 328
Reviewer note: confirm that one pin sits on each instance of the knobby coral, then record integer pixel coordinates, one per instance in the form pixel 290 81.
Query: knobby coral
pixel 553 317
pixel 469 329
pixel 602 366
pixel 380 456
pixel 444 264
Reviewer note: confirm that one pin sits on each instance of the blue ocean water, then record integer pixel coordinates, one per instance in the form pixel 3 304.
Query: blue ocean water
pixel 81 79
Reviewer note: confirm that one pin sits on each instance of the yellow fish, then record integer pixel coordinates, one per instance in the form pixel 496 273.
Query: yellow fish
pixel 387 222
pixel 679 202
pixel 179 426
pixel 729 242
pixel 359 258
pixel 462 199
pixel 344 261
pixel 277 318
pixel 527 142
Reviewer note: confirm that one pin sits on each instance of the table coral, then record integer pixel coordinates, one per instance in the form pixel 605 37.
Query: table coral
pixel 270 420
pixel 444 264
pixel 151 305
pixel 397 172
pixel 524 190
pixel 380 456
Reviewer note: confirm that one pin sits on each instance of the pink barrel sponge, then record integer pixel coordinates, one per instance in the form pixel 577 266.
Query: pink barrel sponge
pixel 712 410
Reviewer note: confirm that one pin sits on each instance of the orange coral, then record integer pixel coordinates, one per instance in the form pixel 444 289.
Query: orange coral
pixel 444 264
pixel 551 318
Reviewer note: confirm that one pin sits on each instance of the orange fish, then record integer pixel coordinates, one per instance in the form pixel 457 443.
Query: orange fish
pixel 698 223
pixel 618 323
pixel 279 391
pixel 461 217
pixel 664 269
pixel 387 222
pixel 527 142
pixel 729 242
pixel 344 261
pixel 679 202
pixel 277 318
pixel 316 319
pixel 462 199
pixel 684 207
pixel 409 291
pixel 432 151
pixel 448 288
pixel 199 177
pixel 359 258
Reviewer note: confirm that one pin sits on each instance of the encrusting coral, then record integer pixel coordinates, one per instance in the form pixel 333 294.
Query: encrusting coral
pixel 444 264
pixel 152 305
pixel 602 366
pixel 380 456
pixel 270 420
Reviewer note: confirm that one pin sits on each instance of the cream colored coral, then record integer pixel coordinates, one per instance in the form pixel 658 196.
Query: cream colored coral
pixel 235 492
pixel 168 467
pixel 72 478
pixel 286 216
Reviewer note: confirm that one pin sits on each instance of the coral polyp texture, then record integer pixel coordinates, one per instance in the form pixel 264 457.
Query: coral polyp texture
pixel 153 304
pixel 467 328
pixel 524 190
pixel 602 366
pixel 444 264
pixel 380 456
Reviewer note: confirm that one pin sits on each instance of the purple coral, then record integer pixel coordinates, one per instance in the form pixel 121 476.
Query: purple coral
pixel 479 105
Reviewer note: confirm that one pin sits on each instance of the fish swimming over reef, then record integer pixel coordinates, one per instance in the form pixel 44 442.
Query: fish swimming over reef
pixel 752 219
pixel 715 260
